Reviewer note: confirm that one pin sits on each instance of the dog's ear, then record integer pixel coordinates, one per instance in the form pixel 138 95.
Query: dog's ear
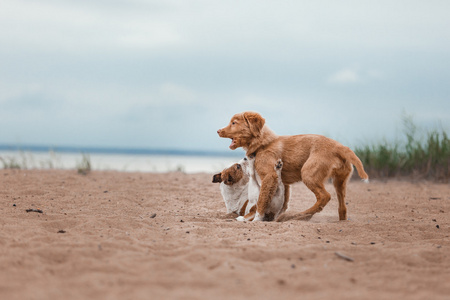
pixel 255 122
pixel 217 178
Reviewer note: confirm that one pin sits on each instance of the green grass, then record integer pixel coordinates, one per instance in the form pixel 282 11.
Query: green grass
pixel 425 155
pixel 84 166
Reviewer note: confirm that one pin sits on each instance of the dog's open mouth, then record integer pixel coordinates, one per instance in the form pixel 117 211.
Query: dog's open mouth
pixel 233 144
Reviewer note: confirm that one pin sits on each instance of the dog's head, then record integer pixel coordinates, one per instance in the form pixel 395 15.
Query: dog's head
pixel 243 127
pixel 233 174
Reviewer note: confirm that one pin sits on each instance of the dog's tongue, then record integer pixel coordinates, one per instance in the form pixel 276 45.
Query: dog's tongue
pixel 233 144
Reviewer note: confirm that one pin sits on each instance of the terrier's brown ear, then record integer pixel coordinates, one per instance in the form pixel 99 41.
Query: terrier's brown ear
pixel 255 122
pixel 217 178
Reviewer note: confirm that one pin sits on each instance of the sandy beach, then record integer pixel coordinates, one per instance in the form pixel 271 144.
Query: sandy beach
pixel 113 235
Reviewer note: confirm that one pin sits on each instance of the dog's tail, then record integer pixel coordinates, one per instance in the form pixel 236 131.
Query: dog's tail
pixel 351 156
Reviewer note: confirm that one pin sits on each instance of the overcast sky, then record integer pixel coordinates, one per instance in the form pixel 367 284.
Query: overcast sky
pixel 168 74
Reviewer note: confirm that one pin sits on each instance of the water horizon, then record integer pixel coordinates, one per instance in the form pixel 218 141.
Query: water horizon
pixel 117 159
pixel 118 150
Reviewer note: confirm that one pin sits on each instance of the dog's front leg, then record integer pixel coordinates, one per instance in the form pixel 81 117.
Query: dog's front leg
pixel 287 196
pixel 269 186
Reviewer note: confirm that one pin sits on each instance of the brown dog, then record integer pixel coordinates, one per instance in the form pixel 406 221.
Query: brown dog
pixel 309 158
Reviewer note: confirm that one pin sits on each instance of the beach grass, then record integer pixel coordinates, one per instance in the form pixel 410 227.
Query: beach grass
pixel 84 166
pixel 23 160
pixel 26 160
pixel 419 154
pixel 11 163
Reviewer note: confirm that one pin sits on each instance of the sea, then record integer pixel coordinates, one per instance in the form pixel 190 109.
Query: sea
pixel 117 159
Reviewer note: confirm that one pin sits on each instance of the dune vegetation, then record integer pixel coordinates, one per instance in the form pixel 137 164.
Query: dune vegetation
pixel 418 154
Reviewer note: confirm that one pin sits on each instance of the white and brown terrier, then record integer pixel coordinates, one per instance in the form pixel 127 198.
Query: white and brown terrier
pixel 240 185
pixel 234 187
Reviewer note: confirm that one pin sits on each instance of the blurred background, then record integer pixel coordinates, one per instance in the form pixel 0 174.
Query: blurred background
pixel 91 76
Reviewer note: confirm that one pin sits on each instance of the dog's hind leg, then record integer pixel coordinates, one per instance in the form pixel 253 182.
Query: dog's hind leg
pixel 313 176
pixel 322 198
pixel 340 179
pixel 340 186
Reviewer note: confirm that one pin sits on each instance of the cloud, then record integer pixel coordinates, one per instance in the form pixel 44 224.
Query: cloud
pixel 345 76
pixel 355 75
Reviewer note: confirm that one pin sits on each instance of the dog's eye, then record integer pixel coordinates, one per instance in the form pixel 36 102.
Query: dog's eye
pixel 230 179
pixel 233 123
pixel 238 166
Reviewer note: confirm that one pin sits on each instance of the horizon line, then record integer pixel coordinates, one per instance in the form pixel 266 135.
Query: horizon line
pixel 116 150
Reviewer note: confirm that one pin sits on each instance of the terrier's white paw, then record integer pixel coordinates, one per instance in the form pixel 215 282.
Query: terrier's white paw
pixel 240 218
pixel 257 218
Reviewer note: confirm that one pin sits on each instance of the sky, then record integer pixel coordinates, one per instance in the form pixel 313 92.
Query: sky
pixel 167 74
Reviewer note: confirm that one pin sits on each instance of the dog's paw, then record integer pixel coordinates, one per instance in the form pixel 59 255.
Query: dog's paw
pixel 258 218
pixel 240 219
pixel 279 164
